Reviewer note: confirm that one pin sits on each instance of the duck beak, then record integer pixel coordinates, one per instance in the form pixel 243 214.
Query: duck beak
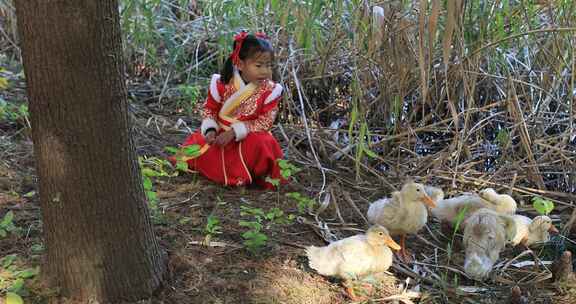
pixel 428 201
pixel 392 244
pixel 553 230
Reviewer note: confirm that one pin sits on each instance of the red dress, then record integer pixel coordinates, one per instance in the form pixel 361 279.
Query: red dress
pixel 250 110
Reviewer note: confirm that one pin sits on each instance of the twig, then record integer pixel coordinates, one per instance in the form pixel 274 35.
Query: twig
pixel 305 122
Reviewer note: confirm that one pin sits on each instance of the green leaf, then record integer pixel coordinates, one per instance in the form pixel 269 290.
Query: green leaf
pixel 147 182
pixel 274 213
pixel 255 226
pixel 294 195
pixel 149 172
pixel 17 285
pixel 28 273
pixel 3 83
pixel 8 260
pixel 274 181
pixel 182 166
pixel 369 152
pixel 171 150
pixel 212 225
pixel 36 248
pixel 542 206
pixel 503 137
pixel 152 195
pixel 283 164
pixel 29 194
pixel 184 220
pixel 459 218
pixel 7 219
pixel 254 240
pixel 3 233
pixel 13 298
pixel 191 150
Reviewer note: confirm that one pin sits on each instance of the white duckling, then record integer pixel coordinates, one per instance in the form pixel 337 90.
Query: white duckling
pixel 531 231
pixel 502 203
pixel 403 213
pixel 448 210
pixel 485 235
pixel 436 194
pixel 355 256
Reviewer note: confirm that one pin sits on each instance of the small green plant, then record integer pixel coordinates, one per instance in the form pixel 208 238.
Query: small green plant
pixel 3 81
pixel 182 155
pixel 255 239
pixel 13 277
pixel 190 96
pixel 456 224
pixel 37 248
pixel 151 168
pixel 212 228
pixel 277 216
pixel 542 206
pixel 274 181
pixel 7 225
pixel 503 137
pixel 287 169
pixel 304 202
pixel 14 113
pixel 460 218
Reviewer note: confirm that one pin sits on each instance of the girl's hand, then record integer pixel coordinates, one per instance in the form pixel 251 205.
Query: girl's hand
pixel 210 137
pixel 225 137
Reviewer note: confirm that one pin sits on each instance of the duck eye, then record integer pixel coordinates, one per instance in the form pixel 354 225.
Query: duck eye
pixel 418 190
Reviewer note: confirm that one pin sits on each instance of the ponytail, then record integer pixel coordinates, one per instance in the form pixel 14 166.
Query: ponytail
pixel 227 71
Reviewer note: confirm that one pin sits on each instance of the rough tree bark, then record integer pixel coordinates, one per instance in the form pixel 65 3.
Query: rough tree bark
pixel 99 239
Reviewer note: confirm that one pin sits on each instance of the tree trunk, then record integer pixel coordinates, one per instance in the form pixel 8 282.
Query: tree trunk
pixel 99 239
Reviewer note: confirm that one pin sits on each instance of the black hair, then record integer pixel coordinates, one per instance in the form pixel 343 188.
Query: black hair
pixel 251 46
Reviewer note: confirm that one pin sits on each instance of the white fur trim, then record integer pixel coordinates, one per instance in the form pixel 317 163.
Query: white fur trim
pixel 276 92
pixel 208 123
pixel 214 87
pixel 237 75
pixel 240 130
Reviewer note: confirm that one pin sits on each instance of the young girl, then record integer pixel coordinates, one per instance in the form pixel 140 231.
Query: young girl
pixel 236 145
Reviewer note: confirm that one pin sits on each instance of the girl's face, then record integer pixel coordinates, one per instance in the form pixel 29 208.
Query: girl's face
pixel 256 68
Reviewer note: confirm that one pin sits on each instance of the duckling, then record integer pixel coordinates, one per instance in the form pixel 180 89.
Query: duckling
pixel 502 203
pixel 436 194
pixel 485 235
pixel 447 210
pixel 355 256
pixel 403 213
pixel 531 231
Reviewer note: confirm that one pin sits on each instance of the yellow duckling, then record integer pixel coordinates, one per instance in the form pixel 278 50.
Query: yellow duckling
pixel 355 256
pixel 502 203
pixel 531 231
pixel 485 235
pixel 403 213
